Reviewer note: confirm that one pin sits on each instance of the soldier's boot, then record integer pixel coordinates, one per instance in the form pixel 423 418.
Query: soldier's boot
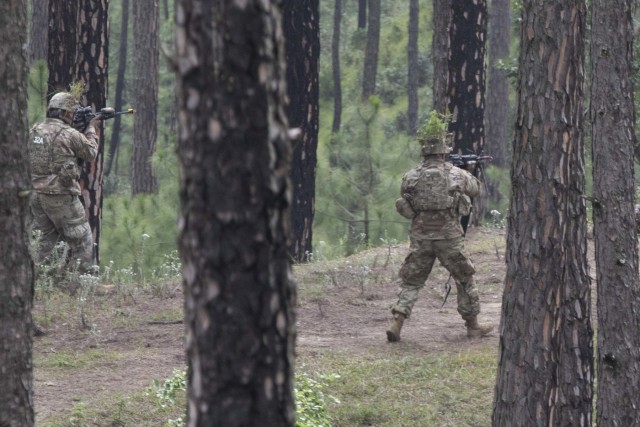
pixel 477 330
pixel 393 333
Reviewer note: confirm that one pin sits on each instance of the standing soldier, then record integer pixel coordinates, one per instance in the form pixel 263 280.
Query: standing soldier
pixel 54 149
pixel 435 195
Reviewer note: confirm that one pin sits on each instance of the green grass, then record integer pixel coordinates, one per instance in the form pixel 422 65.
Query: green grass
pixel 76 360
pixel 414 390
pixel 116 410
pixel 439 390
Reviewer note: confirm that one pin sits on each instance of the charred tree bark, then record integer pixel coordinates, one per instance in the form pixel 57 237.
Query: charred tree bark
pixel 467 83
pixel 371 53
pixel 39 30
pixel 145 95
pixel 497 111
pixel 440 51
pixel 467 75
pixel 412 67
pixel 302 46
pixel 234 156
pixel 613 141
pixel 78 51
pixel 120 86
pixel 16 266
pixel 545 372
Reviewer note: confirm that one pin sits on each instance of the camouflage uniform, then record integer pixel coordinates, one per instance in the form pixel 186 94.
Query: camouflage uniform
pixel 435 195
pixel 54 150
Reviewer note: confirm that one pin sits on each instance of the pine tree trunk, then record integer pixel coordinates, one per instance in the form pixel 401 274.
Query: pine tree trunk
pixel 440 45
pixel 412 67
pixel 467 75
pixel 120 85
pixel 335 64
pixel 38 30
pixel 16 266
pixel 497 111
pixel 613 141
pixel 362 13
pixel 545 372
pixel 234 223
pixel 467 83
pixel 145 95
pixel 302 47
pixel 371 52
pixel 78 51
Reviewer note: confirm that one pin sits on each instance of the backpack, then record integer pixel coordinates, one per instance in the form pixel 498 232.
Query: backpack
pixel 428 187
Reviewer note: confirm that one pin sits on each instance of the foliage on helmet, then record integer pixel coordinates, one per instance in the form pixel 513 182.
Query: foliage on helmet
pixel 63 101
pixel 433 135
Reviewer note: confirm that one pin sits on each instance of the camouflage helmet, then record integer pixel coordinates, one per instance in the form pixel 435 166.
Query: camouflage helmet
pixel 433 136
pixel 64 101
pixel 434 146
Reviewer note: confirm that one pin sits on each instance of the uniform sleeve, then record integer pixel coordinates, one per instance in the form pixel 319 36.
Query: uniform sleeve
pixel 464 182
pixel 472 186
pixel 86 145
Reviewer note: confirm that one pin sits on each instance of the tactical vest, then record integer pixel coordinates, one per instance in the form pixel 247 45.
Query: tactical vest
pixel 429 188
pixel 41 146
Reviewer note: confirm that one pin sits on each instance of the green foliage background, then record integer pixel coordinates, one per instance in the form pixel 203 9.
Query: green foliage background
pixel 359 170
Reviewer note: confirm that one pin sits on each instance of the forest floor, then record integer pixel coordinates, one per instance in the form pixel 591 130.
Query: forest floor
pixel 135 338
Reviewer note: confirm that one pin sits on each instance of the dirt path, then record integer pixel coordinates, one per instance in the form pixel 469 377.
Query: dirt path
pixel 125 353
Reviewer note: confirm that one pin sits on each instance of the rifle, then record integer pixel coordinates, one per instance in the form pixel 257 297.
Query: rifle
pixel 469 162
pixel 84 115
pixel 472 163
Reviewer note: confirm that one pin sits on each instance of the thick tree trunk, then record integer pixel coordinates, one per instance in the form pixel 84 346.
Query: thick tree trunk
pixel 120 85
pixel 145 95
pixel 468 35
pixel 412 67
pixel 302 46
pixel 16 266
pixel 78 51
pixel 545 372
pixel 234 156
pixel 613 141
pixel 497 111
pixel 467 75
pixel 440 46
pixel 371 52
pixel 38 30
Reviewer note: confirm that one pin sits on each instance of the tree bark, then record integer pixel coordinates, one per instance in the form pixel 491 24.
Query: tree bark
pixel 497 111
pixel 545 371
pixel 78 51
pixel 16 266
pixel 145 94
pixel 371 52
pixel 412 67
pixel 440 46
pixel 38 31
pixel 467 84
pixel 302 46
pixel 335 64
pixel 467 75
pixel 362 13
pixel 120 85
pixel 613 141
pixel 234 156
